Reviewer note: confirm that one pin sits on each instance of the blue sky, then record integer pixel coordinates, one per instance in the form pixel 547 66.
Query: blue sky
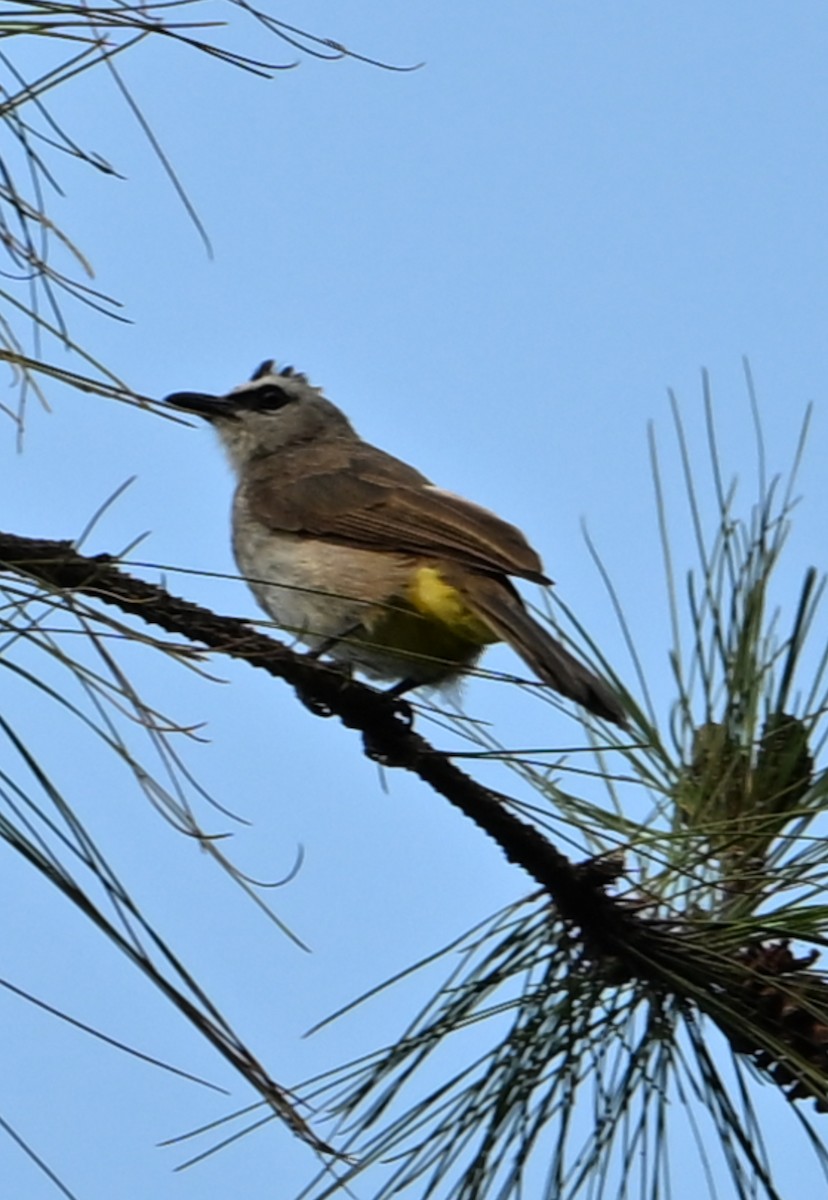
pixel 497 265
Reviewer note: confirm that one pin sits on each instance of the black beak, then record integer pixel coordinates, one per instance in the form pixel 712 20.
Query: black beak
pixel 208 407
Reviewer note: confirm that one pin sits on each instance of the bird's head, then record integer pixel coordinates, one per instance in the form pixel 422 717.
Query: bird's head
pixel 273 410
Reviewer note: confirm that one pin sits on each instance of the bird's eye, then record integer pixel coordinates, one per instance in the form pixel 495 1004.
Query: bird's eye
pixel 269 397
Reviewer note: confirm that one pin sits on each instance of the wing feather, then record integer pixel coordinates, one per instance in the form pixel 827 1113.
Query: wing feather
pixel 355 494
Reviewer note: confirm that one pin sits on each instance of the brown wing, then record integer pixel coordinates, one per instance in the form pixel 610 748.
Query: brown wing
pixel 358 495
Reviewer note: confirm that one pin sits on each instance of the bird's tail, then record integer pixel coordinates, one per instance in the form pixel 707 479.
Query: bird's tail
pixel 501 608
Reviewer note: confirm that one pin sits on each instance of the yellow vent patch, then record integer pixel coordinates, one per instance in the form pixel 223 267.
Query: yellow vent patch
pixel 431 596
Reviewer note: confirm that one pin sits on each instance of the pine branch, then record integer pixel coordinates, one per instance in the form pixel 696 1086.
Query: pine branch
pixel 762 998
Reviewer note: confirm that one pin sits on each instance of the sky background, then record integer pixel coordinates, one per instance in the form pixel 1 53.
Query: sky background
pixel 497 265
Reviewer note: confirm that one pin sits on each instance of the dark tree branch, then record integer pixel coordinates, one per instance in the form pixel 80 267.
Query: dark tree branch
pixel 763 999
pixel 385 722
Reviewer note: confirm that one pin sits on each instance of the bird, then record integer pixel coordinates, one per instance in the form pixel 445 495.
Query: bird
pixel 366 560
